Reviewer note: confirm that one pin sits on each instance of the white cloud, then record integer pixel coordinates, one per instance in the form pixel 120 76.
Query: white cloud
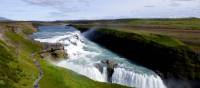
pixel 62 5
pixel 97 9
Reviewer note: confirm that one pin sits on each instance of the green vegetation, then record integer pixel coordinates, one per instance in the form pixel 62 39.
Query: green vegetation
pixel 82 28
pixel 19 71
pixel 184 23
pixel 8 75
pixel 144 36
pixel 178 23
pixel 17 68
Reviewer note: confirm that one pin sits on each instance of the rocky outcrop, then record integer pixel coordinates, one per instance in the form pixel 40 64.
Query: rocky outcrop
pixel 53 50
pixel 54 46
pixel 109 65
pixel 82 28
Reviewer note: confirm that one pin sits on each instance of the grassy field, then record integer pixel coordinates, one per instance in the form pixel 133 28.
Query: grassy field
pixel 187 23
pixel 186 30
pixel 179 23
pixel 160 39
pixel 19 71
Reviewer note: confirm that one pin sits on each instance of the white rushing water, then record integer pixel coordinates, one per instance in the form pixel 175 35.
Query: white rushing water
pixel 84 55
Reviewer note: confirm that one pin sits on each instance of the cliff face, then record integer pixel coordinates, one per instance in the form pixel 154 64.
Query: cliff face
pixel 168 57
pixel 53 52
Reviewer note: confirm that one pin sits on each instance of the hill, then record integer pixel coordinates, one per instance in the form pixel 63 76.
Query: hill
pixel 4 19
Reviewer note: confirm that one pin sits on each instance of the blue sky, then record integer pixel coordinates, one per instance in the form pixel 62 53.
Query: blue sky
pixel 97 9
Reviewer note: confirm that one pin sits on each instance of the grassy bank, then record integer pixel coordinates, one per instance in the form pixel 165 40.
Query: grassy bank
pixel 17 68
pixel 19 71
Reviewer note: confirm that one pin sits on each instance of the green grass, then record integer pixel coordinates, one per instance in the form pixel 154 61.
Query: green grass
pixel 20 50
pixel 16 70
pixel 20 42
pixel 8 75
pixel 179 23
pixel 187 23
pixel 145 37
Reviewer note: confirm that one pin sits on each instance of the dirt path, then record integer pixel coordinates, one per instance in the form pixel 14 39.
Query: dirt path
pixel 40 73
pixel 37 64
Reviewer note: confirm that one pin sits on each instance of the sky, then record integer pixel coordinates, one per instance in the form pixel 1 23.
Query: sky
pixel 49 10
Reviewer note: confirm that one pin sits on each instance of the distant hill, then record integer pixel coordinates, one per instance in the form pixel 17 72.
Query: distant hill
pixel 4 19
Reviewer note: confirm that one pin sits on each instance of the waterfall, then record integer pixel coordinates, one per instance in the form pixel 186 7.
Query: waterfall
pixel 104 73
pixel 85 58
pixel 88 71
pixel 130 78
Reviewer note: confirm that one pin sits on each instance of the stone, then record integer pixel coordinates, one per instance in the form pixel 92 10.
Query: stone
pixel 110 65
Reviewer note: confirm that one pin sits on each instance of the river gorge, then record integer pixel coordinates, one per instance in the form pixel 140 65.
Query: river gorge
pixel 96 62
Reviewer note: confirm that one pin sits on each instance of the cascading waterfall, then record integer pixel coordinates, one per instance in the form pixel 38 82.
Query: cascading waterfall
pixel 104 73
pixel 89 71
pixel 88 59
pixel 124 77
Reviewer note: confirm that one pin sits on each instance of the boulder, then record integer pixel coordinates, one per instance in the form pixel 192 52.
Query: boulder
pixel 53 50
pixel 110 65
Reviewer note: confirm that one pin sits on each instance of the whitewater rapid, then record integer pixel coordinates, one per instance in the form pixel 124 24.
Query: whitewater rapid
pixel 83 55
